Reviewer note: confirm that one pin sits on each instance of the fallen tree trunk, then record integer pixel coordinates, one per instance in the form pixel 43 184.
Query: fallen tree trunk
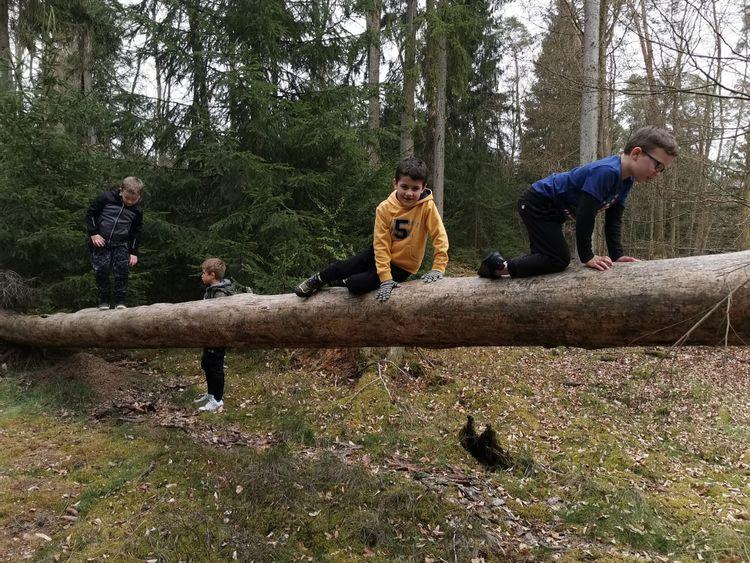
pixel 703 300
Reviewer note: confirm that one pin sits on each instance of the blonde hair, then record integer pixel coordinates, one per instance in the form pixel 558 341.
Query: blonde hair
pixel 215 266
pixel 132 185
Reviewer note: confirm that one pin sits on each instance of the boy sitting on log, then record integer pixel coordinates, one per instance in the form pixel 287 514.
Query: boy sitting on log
pixel 402 223
pixel 212 361
pixel 113 222
pixel 580 194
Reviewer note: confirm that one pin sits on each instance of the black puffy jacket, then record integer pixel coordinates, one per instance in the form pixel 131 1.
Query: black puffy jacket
pixel 117 223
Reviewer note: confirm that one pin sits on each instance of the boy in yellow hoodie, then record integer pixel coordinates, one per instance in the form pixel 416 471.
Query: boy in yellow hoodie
pixel 402 223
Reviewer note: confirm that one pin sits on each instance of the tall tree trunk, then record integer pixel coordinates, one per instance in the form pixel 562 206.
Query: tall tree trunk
pixel 706 134
pixel 588 142
pixel 199 68
pixel 673 184
pixel 640 21
pixel 87 62
pixel 652 111
pixel 441 83
pixel 373 79
pixel 158 111
pixel 57 65
pixel 6 82
pixel 516 111
pixel 410 80
pixel 745 214
pixel 589 95
pixel 746 202
pixel 657 302
pixel 18 66
pixel 603 133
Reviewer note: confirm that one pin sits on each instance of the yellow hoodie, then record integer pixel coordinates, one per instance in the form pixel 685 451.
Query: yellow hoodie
pixel 400 235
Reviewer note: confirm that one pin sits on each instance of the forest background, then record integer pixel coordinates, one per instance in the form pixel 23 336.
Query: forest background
pixel 267 131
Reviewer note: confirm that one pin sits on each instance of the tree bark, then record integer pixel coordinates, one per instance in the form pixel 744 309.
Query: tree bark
pixel 373 79
pixel 438 159
pixel 745 240
pixel 5 67
pixel 199 114
pixel 436 76
pixel 588 141
pixel 641 303
pixel 589 95
pixel 410 81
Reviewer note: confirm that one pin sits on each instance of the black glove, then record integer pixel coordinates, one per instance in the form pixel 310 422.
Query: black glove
pixel 432 276
pixel 384 293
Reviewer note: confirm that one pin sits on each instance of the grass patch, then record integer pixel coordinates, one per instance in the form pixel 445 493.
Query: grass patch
pixel 608 461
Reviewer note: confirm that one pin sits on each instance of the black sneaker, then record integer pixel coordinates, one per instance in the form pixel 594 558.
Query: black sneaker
pixel 103 306
pixel 309 286
pixel 493 262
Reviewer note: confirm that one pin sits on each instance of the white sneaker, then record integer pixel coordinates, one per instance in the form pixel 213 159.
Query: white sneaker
pixel 202 398
pixel 121 306
pixel 212 405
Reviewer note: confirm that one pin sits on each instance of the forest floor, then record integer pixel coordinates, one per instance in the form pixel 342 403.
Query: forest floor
pixel 621 455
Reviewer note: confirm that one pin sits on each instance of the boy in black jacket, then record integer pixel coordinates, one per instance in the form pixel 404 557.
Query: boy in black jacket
pixel 212 361
pixel 114 223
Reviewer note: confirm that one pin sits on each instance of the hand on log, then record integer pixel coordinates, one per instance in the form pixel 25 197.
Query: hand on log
pixel 432 276
pixel 384 293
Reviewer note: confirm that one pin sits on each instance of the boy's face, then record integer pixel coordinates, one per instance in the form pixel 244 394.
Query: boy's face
pixel 129 198
pixel 208 278
pixel 408 190
pixel 649 164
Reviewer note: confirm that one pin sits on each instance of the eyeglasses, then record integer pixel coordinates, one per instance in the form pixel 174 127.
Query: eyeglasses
pixel 659 166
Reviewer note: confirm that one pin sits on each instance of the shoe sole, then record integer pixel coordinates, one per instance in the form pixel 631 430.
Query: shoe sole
pixel 484 268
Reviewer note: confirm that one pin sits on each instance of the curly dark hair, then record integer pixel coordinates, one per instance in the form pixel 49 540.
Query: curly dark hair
pixel 413 167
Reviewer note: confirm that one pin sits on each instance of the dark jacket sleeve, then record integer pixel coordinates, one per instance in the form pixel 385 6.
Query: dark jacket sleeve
pixel 91 221
pixel 136 226
pixel 613 230
pixel 586 212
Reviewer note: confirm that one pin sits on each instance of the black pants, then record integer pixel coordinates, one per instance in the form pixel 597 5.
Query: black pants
pixel 111 260
pixel 359 273
pixel 212 362
pixel 549 249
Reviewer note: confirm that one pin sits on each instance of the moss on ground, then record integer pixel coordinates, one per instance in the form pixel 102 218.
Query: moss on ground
pixel 620 455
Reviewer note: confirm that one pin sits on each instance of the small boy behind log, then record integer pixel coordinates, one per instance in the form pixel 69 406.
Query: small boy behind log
pixel 212 361
pixel 579 194
pixel 402 223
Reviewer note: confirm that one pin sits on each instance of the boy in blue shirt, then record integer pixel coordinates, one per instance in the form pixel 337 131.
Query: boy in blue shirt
pixel 580 194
